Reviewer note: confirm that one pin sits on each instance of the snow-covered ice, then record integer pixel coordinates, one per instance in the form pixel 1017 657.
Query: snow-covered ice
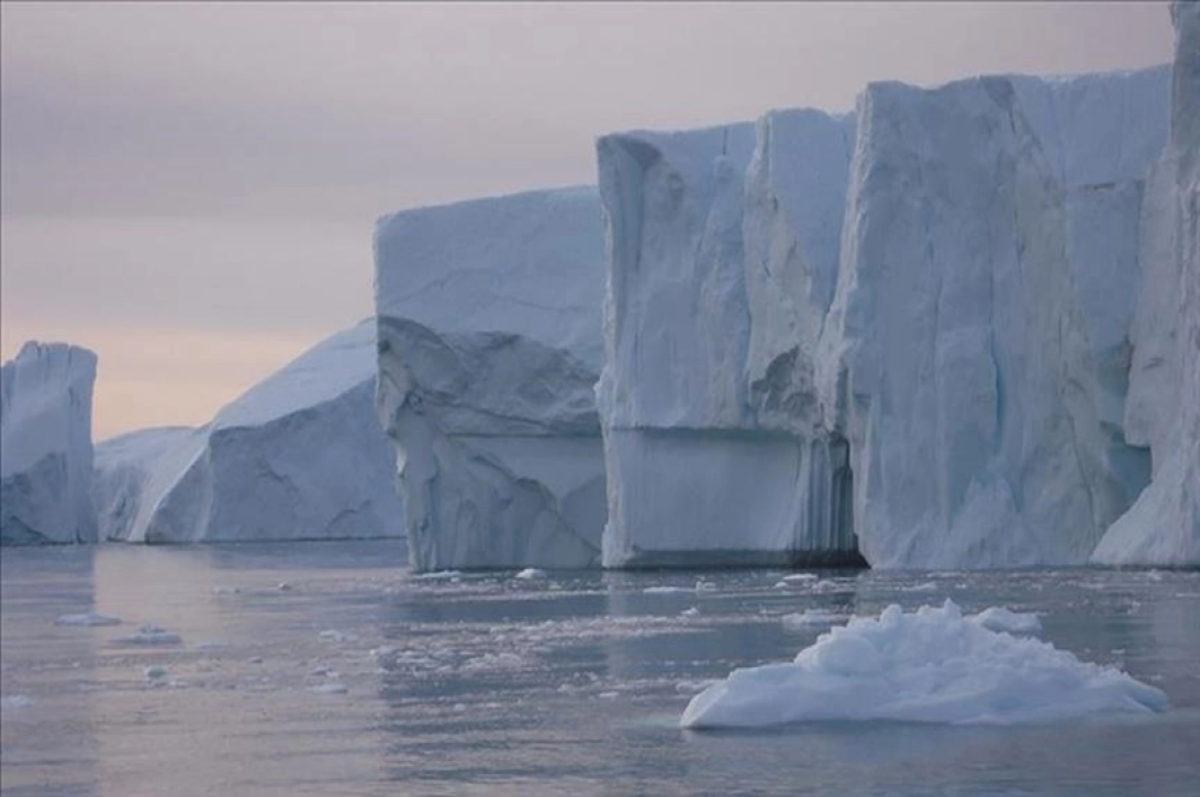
pixel 932 666
pixel 298 456
pixel 1163 407
pixel 489 348
pixel 46 445
pixel 530 574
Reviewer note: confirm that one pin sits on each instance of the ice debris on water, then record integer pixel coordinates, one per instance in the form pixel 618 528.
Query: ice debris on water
pixel 149 634
pixel 88 619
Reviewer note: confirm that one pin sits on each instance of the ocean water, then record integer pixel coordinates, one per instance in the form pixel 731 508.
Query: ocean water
pixel 329 669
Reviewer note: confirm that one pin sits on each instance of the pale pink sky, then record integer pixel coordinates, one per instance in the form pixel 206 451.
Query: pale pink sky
pixel 190 189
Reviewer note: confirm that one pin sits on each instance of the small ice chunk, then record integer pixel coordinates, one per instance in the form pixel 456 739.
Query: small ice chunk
pixel 691 611
pixel 798 578
pixel 149 634
pixel 155 672
pixel 812 617
pixel 438 575
pixel 334 635
pixel 531 573
pixel 932 665
pixel 330 689
pixel 89 619
pixel 1000 618
pixel 15 701
pixel 284 586
pixel 256 660
pixel 666 590
pixel 705 586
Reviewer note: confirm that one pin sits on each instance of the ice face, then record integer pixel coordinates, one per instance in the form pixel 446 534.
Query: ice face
pixel 974 354
pixel 1163 409
pixel 46 445
pixel 722 245
pixel 298 456
pixel 489 349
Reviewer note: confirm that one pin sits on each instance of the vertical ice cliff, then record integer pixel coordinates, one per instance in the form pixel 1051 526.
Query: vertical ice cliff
pixel 46 445
pixel 1163 407
pixel 298 456
pixel 976 352
pixel 722 250
pixel 489 349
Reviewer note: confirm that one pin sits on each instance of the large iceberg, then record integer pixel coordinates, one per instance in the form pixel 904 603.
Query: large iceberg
pixel 46 445
pixel 489 349
pixel 933 665
pixel 1163 406
pixel 298 456
pixel 976 351
pixel 722 253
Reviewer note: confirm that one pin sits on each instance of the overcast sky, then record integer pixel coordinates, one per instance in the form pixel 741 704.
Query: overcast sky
pixel 190 189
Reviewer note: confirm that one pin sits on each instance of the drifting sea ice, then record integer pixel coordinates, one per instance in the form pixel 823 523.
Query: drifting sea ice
pixel 932 665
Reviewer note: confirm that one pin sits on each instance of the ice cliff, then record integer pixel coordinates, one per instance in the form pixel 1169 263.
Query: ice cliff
pixel 489 347
pixel 46 445
pixel 298 456
pixel 722 254
pixel 1163 406
pixel 975 354
pixel 903 332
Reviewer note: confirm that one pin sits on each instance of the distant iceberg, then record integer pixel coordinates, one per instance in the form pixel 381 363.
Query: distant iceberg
pixel 298 456
pixel 932 666
pixel 489 348
pixel 46 445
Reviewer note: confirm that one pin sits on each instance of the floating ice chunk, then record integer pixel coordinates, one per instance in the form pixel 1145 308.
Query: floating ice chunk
pixel 89 619
pixel 799 578
pixel 928 666
pixel 149 634
pixel 15 701
pixel 438 575
pixel 334 635
pixel 666 590
pixel 999 618
pixel 691 611
pixel 531 574
pixel 812 617
pixel 155 672
pixel 329 689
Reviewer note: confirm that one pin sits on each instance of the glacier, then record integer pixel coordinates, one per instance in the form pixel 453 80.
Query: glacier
pixel 1162 409
pixel 46 445
pixel 298 456
pixel 489 322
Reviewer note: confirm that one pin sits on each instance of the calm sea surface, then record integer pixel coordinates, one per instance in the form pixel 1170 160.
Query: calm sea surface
pixel 328 669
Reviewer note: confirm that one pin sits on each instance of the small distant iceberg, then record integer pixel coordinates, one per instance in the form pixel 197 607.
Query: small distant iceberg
pixel 932 665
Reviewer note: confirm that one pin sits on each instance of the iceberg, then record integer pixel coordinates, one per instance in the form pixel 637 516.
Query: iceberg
pixel 1162 409
pixel 931 666
pixel 46 445
pixel 975 354
pixel 489 318
pixel 722 253
pixel 298 456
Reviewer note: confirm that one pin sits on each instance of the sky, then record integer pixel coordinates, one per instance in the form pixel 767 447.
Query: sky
pixel 190 189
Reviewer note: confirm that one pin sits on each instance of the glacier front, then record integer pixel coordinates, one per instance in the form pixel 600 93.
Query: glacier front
pixel 489 349
pixel 46 445
pixel 1163 408
pixel 298 456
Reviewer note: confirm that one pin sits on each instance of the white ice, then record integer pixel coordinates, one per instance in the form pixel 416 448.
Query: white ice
pixel 932 665
pixel 46 445
pixel 298 456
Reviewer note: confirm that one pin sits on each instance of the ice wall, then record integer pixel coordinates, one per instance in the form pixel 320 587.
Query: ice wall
pixel 489 349
pixel 975 354
pixel 298 456
pixel 1163 407
pixel 722 247
pixel 46 445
